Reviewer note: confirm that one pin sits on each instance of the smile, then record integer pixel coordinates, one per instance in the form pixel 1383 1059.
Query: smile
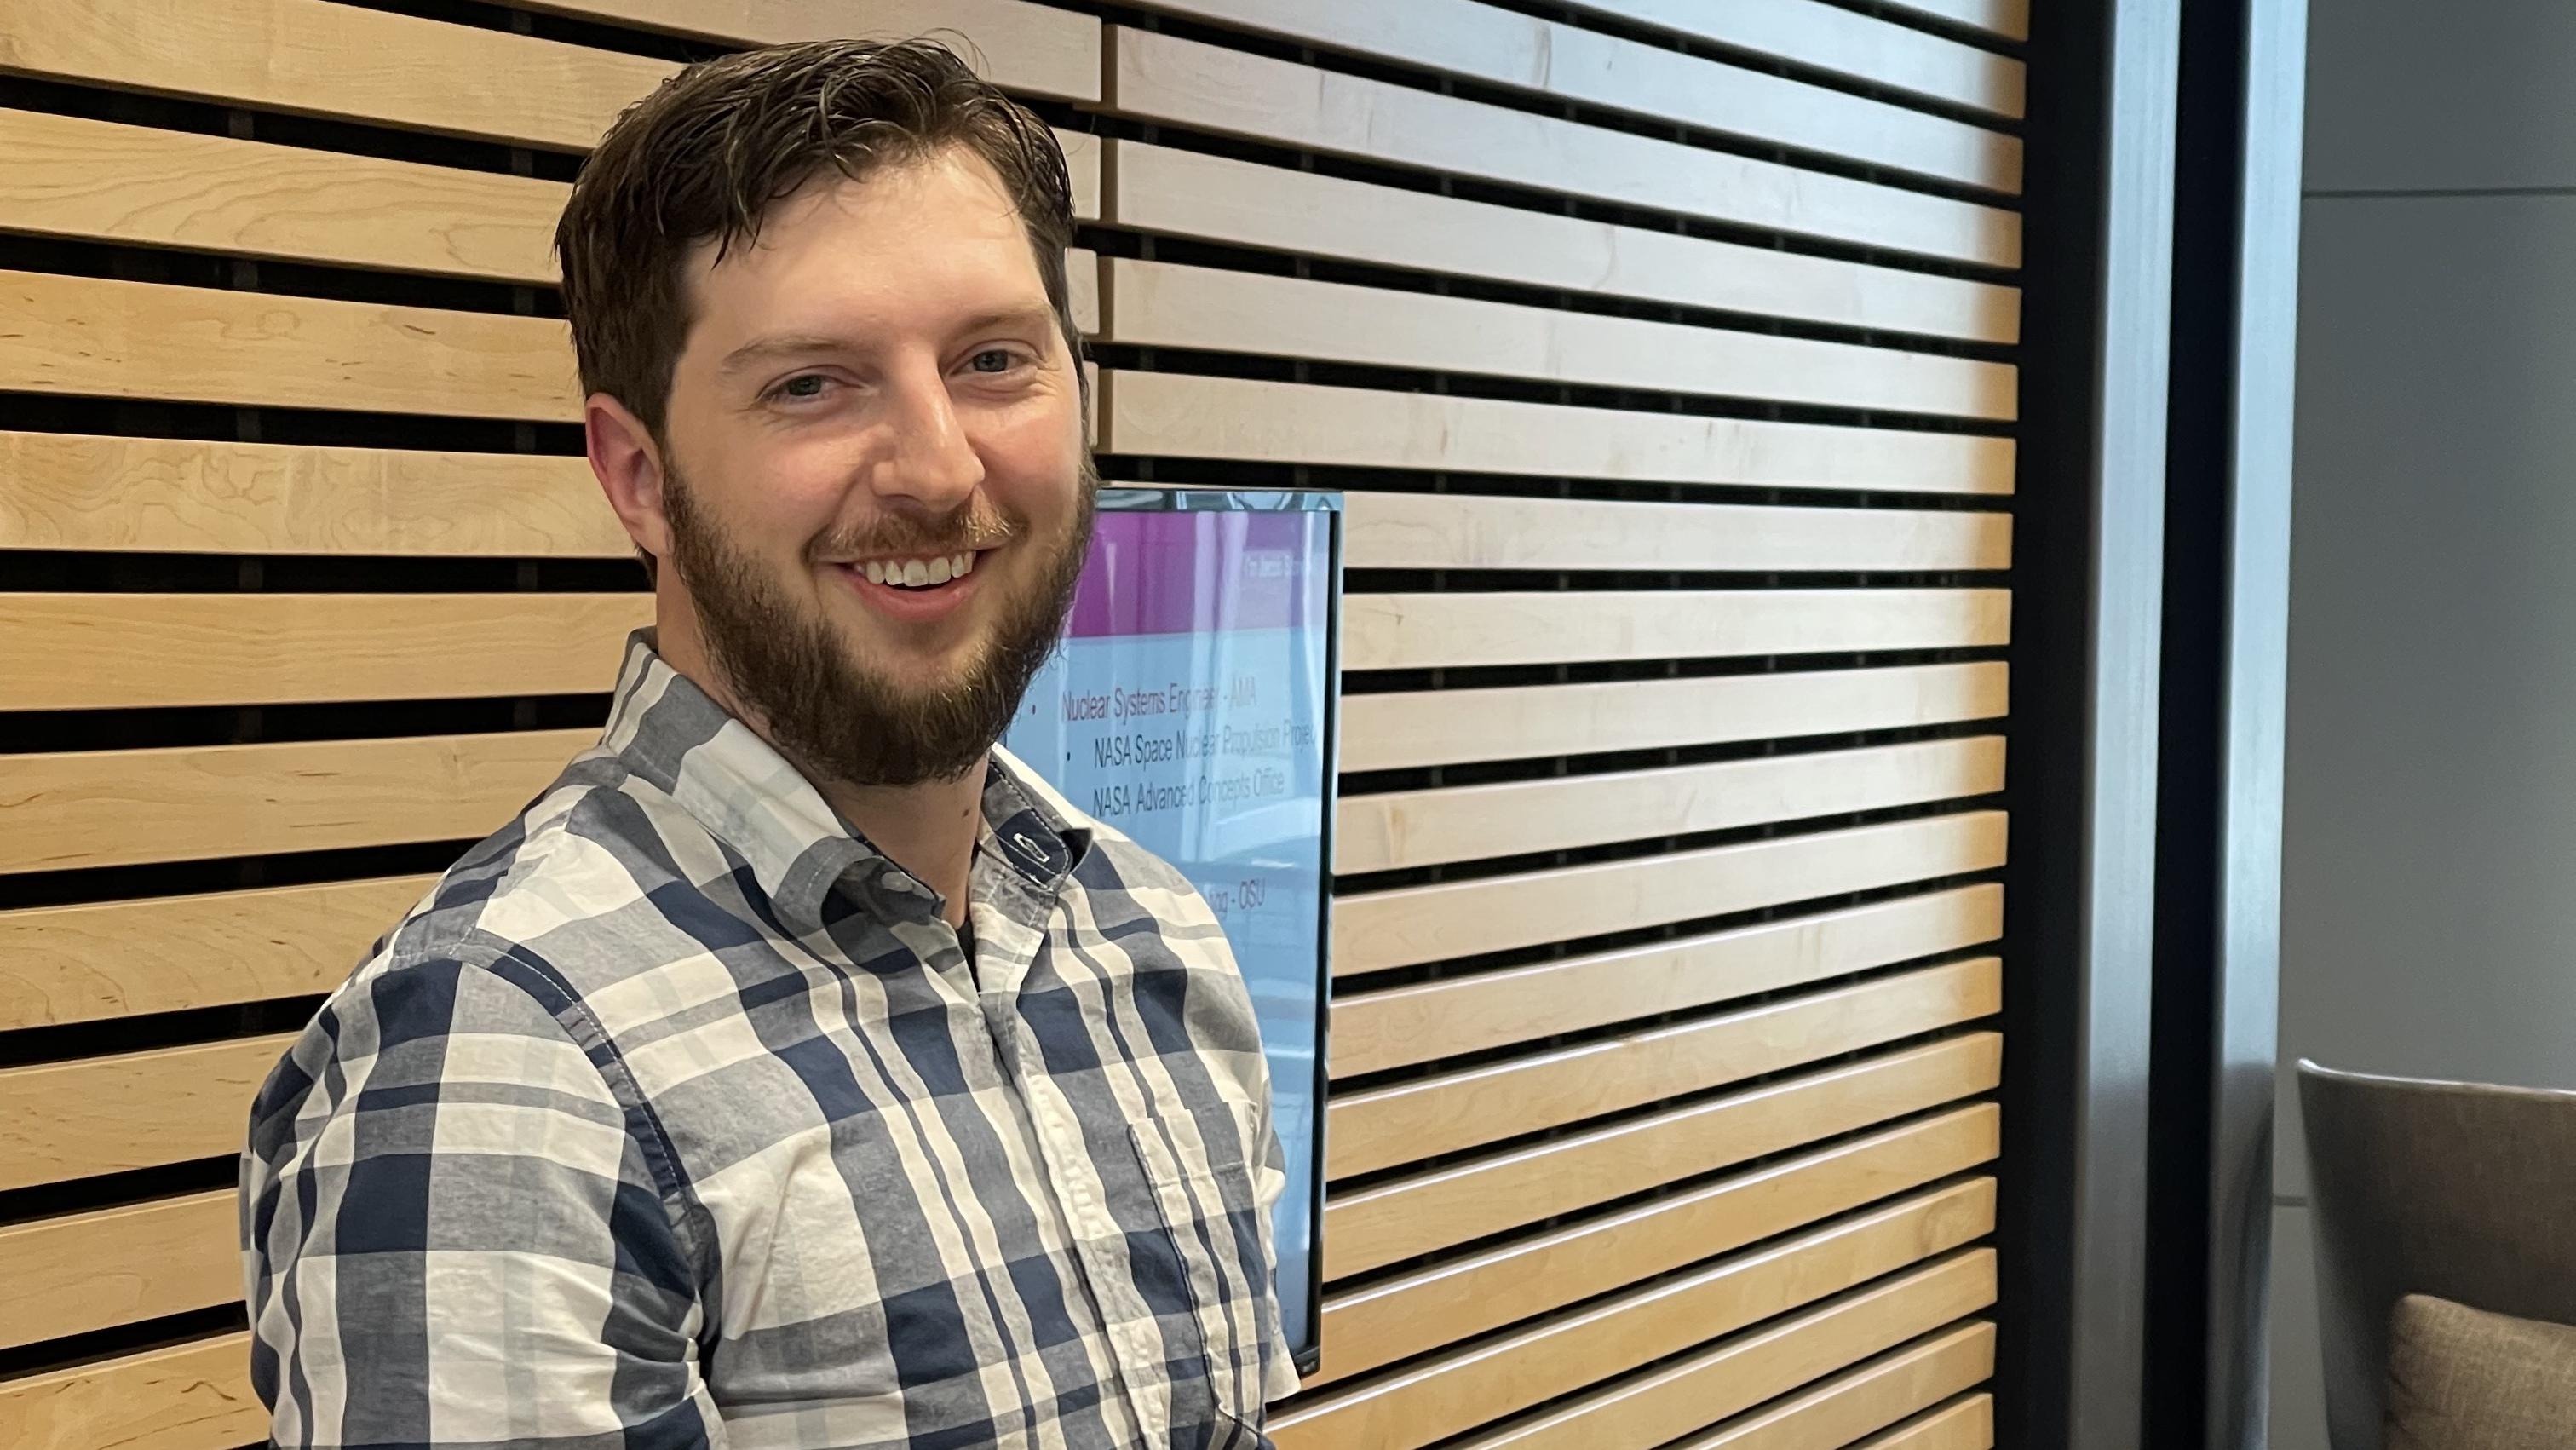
pixel 915 590
pixel 919 573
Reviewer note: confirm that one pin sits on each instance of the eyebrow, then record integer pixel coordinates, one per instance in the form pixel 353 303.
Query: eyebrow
pixel 769 349
pixel 761 351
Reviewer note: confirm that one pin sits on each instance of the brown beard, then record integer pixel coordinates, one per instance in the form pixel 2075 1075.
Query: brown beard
pixel 826 711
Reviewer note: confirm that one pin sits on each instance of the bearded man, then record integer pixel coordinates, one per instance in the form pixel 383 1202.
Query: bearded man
pixel 799 1069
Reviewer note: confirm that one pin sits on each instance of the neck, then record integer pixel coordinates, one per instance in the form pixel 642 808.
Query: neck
pixel 929 829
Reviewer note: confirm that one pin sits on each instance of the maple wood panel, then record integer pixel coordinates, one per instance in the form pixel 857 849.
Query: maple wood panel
pixel 1373 1128
pixel 1457 726
pixel 95 1115
pixel 191 1396
pixel 1497 913
pixel 1830 38
pixel 81 809
pixel 125 651
pixel 61 964
pixel 1164 78
pixel 183 496
pixel 1167 191
pixel 1571 63
pixel 113 1266
pixel 1453 1016
pixel 1460 823
pixel 1184 415
pixel 1667 355
pixel 1464 531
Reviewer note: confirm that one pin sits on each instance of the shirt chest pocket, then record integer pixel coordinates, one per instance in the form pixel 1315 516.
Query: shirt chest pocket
pixel 1204 1273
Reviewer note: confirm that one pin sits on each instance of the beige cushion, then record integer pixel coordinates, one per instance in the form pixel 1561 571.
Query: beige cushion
pixel 2464 1379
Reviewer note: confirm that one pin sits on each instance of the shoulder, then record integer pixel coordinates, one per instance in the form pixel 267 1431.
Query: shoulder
pixel 601 878
pixel 583 848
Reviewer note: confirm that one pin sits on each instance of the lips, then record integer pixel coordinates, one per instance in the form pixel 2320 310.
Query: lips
pixel 888 586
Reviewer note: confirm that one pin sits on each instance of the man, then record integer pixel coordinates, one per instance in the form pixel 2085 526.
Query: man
pixel 798 1070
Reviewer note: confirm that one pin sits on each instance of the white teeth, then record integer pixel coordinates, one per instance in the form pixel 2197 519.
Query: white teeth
pixel 918 573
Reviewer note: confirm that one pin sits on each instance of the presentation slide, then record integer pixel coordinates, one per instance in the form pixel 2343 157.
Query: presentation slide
pixel 1188 708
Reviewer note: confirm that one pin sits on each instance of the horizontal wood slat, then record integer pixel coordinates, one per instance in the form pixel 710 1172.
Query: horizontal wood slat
pixel 193 1396
pixel 1084 156
pixel 63 1120
pixel 184 343
pixel 153 495
pixel 1387 1224
pixel 1464 823
pixel 96 180
pixel 104 338
pixel 1082 290
pixel 1872 1397
pixel 2007 18
pixel 1840 42
pixel 1567 1353
pixel 312 57
pixel 1468 531
pixel 1459 919
pixel 1967 1425
pixel 171 953
pixel 1454 1301
pixel 1566 63
pixel 1375 1128
pixel 1158 304
pixel 1158 77
pixel 1743 1372
pixel 1036 49
pixel 124 651
pixel 121 807
pixel 1165 190
pixel 1451 1016
pixel 1445 727
pixel 1251 420
pixel 119 1265
pixel 102 181
pixel 1431 631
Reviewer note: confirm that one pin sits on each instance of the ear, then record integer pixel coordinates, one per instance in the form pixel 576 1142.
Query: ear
pixel 628 464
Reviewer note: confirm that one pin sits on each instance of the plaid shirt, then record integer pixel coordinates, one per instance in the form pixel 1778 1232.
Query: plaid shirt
pixel 675 1116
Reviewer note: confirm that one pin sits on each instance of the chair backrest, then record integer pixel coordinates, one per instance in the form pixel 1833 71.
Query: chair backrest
pixel 2458 1190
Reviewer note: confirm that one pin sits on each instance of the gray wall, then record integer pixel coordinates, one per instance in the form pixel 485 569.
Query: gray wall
pixel 2429 875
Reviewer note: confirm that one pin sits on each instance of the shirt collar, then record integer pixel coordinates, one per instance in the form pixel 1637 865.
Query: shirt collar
pixel 673 735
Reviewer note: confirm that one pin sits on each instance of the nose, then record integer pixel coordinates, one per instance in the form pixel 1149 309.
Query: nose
pixel 928 461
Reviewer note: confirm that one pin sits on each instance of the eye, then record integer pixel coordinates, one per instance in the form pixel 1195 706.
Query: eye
pixel 804 387
pixel 992 360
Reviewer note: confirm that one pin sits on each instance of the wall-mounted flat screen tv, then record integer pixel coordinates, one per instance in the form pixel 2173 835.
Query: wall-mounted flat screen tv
pixel 1192 707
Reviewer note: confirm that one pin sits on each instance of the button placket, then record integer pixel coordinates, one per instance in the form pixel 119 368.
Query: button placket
pixel 1026 905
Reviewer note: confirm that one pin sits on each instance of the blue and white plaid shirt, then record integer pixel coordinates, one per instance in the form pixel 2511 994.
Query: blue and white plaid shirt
pixel 676 1116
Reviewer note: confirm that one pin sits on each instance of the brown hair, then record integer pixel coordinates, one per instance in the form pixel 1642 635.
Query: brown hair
pixel 715 146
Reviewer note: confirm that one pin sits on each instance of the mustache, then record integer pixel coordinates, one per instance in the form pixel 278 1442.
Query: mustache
pixel 970 527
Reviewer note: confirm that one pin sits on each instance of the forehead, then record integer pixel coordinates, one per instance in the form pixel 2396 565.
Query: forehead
pixel 907 243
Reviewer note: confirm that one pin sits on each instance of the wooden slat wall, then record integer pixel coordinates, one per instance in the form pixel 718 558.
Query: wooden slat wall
pixel 1665 350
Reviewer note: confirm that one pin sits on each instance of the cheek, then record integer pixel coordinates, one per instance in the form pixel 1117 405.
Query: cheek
pixel 778 499
pixel 1033 463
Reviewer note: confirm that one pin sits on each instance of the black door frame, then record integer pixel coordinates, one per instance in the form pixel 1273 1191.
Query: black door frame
pixel 2151 557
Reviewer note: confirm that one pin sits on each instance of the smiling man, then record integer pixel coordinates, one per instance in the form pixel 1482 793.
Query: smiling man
pixel 799 1070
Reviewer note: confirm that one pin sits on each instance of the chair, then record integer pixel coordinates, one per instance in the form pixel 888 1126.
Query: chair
pixel 2456 1190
